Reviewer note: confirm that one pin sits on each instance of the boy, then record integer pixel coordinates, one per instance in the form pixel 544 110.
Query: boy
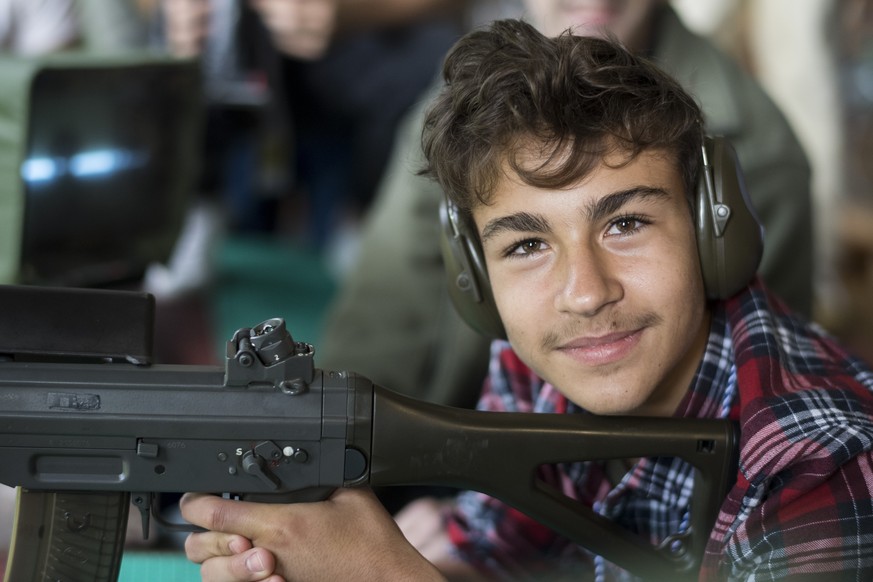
pixel 574 169
pixel 391 319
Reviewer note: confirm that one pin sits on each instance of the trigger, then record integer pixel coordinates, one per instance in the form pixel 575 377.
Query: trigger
pixel 143 502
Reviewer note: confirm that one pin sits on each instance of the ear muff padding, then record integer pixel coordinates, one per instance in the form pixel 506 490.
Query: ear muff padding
pixel 730 238
pixel 729 241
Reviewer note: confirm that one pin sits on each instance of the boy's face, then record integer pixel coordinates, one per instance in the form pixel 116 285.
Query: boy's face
pixel 628 20
pixel 599 285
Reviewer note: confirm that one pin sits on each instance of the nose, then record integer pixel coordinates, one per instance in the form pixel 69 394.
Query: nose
pixel 588 282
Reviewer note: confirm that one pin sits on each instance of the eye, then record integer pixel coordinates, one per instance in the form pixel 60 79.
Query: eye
pixel 626 226
pixel 525 248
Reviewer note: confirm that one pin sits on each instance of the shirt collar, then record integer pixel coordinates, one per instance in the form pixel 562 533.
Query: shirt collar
pixel 714 388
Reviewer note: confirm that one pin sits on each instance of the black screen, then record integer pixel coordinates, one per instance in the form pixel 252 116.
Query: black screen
pixel 107 168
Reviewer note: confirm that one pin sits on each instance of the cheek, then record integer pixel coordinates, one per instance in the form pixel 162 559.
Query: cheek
pixel 668 280
pixel 675 279
pixel 506 298
pixel 684 260
pixel 683 293
pixel 517 303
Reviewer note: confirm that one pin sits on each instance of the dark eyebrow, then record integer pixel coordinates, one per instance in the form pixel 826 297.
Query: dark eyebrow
pixel 613 202
pixel 527 222
pixel 519 222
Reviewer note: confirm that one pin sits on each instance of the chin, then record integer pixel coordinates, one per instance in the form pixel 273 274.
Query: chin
pixel 611 391
pixel 610 407
pixel 617 410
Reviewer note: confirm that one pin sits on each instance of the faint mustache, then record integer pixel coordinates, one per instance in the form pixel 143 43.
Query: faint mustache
pixel 584 328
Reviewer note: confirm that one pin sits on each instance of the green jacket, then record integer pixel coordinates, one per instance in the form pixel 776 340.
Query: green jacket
pixel 393 321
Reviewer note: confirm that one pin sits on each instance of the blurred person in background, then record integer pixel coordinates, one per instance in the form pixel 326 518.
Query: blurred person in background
pixel 793 50
pixel 34 27
pixel 342 75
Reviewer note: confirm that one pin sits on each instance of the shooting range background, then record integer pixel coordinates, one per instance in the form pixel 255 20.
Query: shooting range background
pixel 257 279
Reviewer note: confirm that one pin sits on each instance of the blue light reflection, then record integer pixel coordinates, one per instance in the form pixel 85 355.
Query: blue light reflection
pixel 93 164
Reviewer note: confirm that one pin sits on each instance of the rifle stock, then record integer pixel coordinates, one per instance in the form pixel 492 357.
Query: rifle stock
pixel 81 438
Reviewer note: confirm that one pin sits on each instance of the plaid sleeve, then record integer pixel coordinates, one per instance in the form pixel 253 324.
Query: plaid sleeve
pixel 500 541
pixel 799 532
pixel 807 483
pixel 802 507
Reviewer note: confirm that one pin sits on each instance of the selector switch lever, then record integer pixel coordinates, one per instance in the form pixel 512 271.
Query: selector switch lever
pixel 254 464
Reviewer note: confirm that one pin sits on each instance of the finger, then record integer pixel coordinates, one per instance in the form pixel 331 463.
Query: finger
pixel 223 515
pixel 199 547
pixel 254 564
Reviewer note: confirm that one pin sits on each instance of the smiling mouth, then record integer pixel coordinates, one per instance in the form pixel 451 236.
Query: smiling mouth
pixel 602 350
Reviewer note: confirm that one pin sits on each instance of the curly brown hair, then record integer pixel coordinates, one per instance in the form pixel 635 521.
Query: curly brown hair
pixel 512 94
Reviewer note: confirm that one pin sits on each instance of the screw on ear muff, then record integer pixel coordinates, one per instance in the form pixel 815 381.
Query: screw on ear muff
pixel 729 241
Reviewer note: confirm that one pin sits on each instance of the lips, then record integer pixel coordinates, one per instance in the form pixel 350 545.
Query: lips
pixel 602 350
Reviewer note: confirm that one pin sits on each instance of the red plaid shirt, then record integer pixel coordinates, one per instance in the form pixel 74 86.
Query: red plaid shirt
pixel 803 500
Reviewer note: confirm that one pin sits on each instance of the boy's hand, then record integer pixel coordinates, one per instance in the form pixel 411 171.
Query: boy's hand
pixel 350 536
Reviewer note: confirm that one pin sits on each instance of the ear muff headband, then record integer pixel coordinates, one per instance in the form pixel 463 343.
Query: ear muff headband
pixel 729 241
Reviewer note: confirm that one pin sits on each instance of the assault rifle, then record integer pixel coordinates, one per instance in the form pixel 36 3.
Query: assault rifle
pixel 89 426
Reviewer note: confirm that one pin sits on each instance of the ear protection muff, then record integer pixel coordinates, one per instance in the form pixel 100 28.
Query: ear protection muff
pixel 730 241
pixel 467 278
pixel 730 238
